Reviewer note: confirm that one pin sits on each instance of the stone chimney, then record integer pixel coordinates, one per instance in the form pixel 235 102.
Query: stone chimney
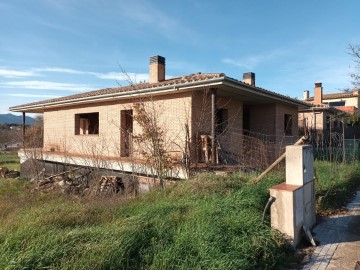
pixel 157 69
pixel 249 78
pixel 306 95
pixel 318 93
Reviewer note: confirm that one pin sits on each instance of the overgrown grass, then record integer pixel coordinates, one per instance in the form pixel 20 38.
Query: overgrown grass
pixel 10 161
pixel 335 184
pixel 207 222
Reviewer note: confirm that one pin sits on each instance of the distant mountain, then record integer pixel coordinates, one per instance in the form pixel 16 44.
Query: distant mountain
pixel 15 119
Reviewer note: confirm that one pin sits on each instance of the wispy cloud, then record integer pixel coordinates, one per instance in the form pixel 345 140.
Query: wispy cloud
pixel 60 70
pixel 36 72
pixel 120 76
pixel 10 73
pixel 46 85
pixel 253 60
pixel 32 95
pixel 134 77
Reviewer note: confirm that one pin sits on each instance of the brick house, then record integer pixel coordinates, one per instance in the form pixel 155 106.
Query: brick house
pixel 328 111
pixel 203 116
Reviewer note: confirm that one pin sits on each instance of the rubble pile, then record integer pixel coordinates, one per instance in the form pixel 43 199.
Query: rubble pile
pixel 6 173
pixel 82 183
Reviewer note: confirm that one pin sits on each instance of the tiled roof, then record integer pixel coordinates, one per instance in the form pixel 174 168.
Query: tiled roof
pixel 146 85
pixel 347 109
pixel 333 109
pixel 337 95
pixel 198 77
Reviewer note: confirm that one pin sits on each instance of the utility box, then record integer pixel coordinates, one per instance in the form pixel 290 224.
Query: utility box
pixel 294 205
pixel 299 164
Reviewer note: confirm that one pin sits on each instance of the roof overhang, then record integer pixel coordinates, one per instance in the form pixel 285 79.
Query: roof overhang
pixel 226 86
pixel 331 110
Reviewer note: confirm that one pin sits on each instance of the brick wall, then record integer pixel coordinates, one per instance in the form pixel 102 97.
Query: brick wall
pixel 172 111
pixel 201 121
pixel 314 120
pixel 262 118
pixel 59 133
pixel 281 110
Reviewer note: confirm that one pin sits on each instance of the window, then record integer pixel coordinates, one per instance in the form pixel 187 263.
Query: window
pixel 86 123
pixel 288 123
pixel 337 103
pixel 221 120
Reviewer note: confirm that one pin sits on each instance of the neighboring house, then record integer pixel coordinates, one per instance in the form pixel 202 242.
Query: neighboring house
pixel 330 111
pixel 203 117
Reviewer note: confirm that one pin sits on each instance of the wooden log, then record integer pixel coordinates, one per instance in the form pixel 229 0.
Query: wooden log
pixel 59 174
pixel 276 162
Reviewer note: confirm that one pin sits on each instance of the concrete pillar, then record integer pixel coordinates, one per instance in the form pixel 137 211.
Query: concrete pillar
pixel 294 205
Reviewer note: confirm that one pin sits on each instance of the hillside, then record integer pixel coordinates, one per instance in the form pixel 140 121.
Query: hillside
pixel 15 119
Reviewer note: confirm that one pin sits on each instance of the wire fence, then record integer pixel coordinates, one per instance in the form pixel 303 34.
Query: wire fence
pixel 258 151
pixel 252 149
pixel 333 147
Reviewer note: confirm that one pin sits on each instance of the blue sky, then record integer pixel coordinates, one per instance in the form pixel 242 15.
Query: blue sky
pixel 52 48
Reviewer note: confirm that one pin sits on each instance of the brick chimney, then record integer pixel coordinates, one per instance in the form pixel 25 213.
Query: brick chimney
pixel 249 78
pixel 318 93
pixel 306 95
pixel 157 69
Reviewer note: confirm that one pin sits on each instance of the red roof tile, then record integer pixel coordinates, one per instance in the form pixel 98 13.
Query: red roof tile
pixel 347 109
pixel 354 93
pixel 198 77
pixel 106 91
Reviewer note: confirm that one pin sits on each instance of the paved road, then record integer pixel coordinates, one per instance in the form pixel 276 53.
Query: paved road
pixel 339 241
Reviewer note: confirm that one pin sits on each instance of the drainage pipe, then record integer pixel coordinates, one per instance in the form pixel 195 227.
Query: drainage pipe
pixel 269 202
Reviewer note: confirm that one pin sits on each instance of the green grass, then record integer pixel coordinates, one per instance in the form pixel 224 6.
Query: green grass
pixel 335 184
pixel 10 161
pixel 207 222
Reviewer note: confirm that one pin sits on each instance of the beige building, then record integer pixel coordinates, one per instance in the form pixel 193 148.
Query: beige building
pixel 329 111
pixel 202 118
pixel 345 101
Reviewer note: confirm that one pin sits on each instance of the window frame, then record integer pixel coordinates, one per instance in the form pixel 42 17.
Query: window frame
pixel 93 123
pixel 288 124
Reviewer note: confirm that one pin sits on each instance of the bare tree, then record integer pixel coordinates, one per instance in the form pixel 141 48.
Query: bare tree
pixel 354 51
pixel 152 140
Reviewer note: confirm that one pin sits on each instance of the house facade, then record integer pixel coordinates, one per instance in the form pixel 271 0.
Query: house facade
pixel 330 111
pixel 202 118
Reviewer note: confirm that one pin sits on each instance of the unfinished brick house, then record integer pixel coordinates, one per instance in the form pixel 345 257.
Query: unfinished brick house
pixel 204 118
pixel 328 111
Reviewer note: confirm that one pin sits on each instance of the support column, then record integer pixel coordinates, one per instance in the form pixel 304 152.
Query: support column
pixel 213 126
pixel 23 128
